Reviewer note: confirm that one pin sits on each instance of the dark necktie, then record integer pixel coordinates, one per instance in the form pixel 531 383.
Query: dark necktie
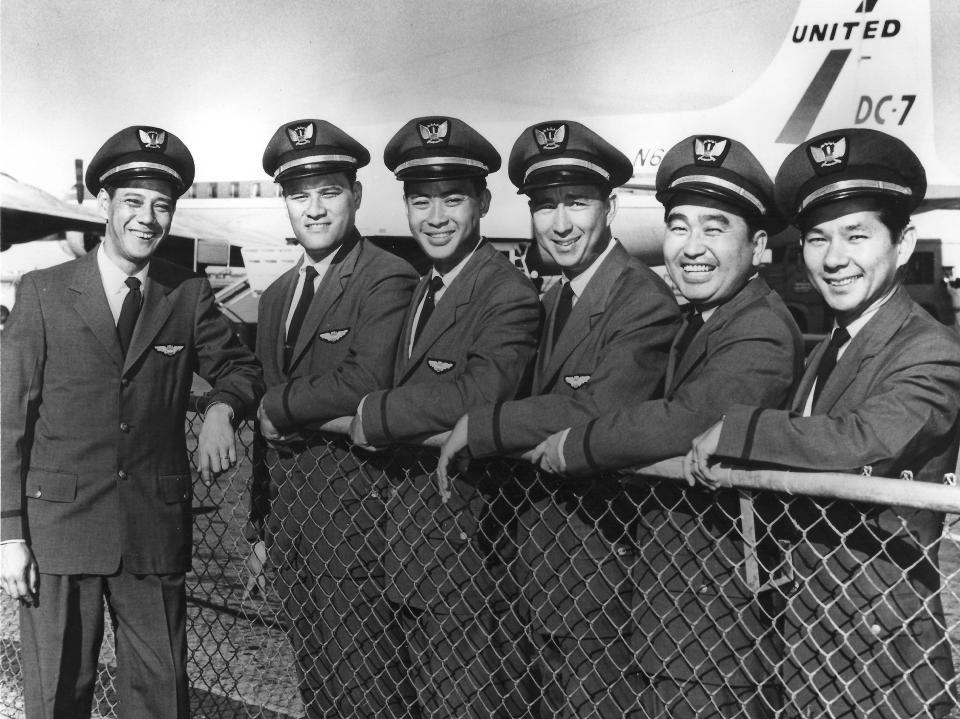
pixel 838 339
pixel 694 323
pixel 303 304
pixel 129 311
pixel 564 307
pixel 429 302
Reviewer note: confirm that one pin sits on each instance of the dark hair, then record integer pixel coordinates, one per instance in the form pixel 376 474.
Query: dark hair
pixel 478 182
pixel 349 173
pixel 895 217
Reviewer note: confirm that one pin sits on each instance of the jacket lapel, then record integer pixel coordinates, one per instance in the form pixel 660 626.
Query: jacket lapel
pixel 155 311
pixel 697 349
pixel 549 301
pixel 458 294
pixel 870 340
pixel 402 360
pixel 585 314
pixel 277 311
pixel 331 287
pixel 91 304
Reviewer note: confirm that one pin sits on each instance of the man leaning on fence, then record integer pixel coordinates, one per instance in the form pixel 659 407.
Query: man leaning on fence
pixel 605 344
pixel 703 639
pixel 98 361
pixel 470 332
pixel 326 333
pixel 864 632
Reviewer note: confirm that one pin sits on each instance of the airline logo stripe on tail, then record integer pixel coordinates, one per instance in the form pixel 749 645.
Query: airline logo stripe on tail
pixel 805 114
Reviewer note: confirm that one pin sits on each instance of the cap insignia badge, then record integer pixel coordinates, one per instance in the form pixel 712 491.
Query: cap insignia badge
pixel 576 381
pixel 300 134
pixel 550 137
pixel 440 366
pixel 829 153
pixel 434 132
pixel 710 150
pixel 152 139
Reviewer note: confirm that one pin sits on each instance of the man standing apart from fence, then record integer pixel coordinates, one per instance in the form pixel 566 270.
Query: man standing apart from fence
pixel 881 395
pixel 702 639
pixel 470 332
pixel 98 361
pixel 605 345
pixel 326 333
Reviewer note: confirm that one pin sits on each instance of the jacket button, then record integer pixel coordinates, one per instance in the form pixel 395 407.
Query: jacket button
pixel 124 427
pixel 37 493
pixel 703 589
pixel 876 629
pixel 121 474
pixel 463 535
pixel 125 382
pixel 621 551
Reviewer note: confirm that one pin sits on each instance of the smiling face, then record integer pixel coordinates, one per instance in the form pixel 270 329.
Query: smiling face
pixel 444 218
pixel 853 261
pixel 572 224
pixel 138 218
pixel 709 253
pixel 322 210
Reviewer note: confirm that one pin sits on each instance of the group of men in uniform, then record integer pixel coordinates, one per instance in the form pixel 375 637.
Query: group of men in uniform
pixel 477 589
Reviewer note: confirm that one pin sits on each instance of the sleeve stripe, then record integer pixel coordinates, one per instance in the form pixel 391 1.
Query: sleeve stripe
pixel 751 433
pixel 11 513
pixel 587 454
pixel 497 439
pixel 383 417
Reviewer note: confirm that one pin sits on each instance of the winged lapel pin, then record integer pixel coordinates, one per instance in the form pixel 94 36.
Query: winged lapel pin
pixel 168 350
pixel 333 336
pixel 440 366
pixel 576 381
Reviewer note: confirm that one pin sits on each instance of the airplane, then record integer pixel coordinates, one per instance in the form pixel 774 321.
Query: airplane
pixel 842 63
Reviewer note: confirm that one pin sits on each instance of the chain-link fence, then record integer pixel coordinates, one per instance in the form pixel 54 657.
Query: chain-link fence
pixel 343 579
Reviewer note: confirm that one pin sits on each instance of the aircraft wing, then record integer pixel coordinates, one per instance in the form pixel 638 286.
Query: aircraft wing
pixel 28 213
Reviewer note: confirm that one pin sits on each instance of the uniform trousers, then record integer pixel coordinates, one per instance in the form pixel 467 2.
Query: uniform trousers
pixel 585 678
pixel 454 665
pixel 62 633
pixel 345 660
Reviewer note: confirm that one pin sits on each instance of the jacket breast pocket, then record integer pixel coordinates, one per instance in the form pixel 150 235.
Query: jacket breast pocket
pixel 50 485
pixel 175 488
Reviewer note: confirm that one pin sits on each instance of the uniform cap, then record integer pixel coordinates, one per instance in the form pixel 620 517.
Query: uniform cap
pixel 311 147
pixel 720 172
pixel 564 152
pixel 437 148
pixel 846 170
pixel 141 151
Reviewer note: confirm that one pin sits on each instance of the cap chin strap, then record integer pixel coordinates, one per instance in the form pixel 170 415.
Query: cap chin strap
pixel 313 160
pixel 142 167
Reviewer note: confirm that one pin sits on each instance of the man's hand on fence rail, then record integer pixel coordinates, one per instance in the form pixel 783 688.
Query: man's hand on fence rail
pixel 548 455
pixel 696 464
pixel 454 457
pixel 18 571
pixel 217 443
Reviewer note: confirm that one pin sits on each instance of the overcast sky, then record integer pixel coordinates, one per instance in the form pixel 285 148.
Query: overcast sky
pixel 223 75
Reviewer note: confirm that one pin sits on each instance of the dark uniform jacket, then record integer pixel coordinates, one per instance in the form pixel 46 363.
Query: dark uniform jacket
pixel 694 609
pixel 325 515
pixel 869 593
pixel 95 465
pixel 611 354
pixel 474 350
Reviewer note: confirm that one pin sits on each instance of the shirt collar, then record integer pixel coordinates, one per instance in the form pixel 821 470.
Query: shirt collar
pixel 112 276
pixel 579 283
pixel 320 267
pixel 450 276
pixel 858 324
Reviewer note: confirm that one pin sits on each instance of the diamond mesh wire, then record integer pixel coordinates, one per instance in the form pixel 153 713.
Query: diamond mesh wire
pixel 336 580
